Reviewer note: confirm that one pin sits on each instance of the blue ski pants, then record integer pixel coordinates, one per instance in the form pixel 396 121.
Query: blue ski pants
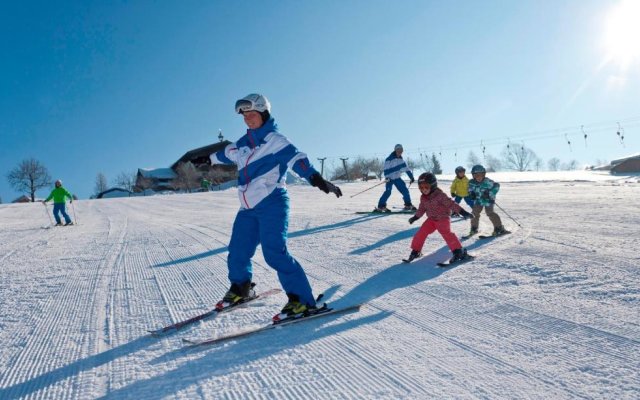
pixel 59 208
pixel 467 199
pixel 267 224
pixel 402 188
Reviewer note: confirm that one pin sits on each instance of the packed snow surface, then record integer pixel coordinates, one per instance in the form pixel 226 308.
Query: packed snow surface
pixel 551 311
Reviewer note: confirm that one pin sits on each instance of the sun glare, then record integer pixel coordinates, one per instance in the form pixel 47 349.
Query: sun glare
pixel 622 34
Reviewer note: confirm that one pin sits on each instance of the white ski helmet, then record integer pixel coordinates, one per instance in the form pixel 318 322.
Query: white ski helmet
pixel 253 102
pixel 58 182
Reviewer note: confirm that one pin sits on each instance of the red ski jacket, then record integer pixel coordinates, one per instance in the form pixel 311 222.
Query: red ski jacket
pixel 437 205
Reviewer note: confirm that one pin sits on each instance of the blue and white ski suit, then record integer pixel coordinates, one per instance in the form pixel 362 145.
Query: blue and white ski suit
pixel 394 166
pixel 263 156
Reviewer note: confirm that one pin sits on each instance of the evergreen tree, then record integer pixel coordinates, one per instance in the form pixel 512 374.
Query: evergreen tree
pixel 436 170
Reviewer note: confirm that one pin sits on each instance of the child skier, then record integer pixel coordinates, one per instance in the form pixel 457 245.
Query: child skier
pixel 460 187
pixel 438 208
pixel 263 156
pixel 59 195
pixel 394 166
pixel 482 191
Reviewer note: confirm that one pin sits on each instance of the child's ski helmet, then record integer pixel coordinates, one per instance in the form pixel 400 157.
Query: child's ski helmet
pixel 460 169
pixel 477 169
pixel 58 182
pixel 429 178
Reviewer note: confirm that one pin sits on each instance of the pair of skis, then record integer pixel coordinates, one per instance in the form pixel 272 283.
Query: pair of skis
pixel 320 312
pixel 447 263
pixel 464 260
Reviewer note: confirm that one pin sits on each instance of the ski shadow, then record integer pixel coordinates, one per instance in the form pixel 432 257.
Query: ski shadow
pixel 228 357
pixel 76 368
pixel 304 232
pixel 402 235
pixel 403 275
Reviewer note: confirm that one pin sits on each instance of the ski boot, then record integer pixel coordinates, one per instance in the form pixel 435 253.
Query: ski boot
pixel 414 254
pixel 293 309
pixel 382 209
pixel 68 224
pixel 237 293
pixel 409 207
pixel 472 231
pixel 499 230
pixel 459 255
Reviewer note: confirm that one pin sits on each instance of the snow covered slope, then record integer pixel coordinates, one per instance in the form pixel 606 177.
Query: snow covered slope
pixel 550 311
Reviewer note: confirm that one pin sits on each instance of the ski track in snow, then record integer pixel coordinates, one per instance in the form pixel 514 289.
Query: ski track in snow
pixel 550 311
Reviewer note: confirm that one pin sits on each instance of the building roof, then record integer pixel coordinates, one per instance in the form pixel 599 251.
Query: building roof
pixel 620 160
pixel 200 152
pixel 157 173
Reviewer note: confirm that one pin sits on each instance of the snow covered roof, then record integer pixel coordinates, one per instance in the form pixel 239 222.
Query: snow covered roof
pixel 631 157
pixel 157 173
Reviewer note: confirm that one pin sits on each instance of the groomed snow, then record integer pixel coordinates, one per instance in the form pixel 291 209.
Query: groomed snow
pixel 551 311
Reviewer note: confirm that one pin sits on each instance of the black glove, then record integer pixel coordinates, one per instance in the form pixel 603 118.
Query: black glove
pixel 326 186
pixel 465 214
pixel 411 181
pixel 413 219
pixel 486 195
pixel 453 195
pixel 472 195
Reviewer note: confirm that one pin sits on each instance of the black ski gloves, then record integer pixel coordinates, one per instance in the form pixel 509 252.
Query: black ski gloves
pixel 453 195
pixel 486 195
pixel 326 186
pixel 413 219
pixel 465 214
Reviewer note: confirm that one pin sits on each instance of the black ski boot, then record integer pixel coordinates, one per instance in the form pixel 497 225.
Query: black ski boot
pixel 499 230
pixel 414 254
pixel 409 207
pixel 236 294
pixel 459 255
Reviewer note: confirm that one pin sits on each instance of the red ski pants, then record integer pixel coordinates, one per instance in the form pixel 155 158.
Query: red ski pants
pixel 428 227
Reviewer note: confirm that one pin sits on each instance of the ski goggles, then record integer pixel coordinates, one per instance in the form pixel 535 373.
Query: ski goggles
pixel 243 105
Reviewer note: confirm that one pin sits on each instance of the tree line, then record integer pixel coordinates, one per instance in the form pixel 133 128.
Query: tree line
pixel 30 175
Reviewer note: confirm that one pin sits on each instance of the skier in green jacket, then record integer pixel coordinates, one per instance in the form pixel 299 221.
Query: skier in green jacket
pixel 59 195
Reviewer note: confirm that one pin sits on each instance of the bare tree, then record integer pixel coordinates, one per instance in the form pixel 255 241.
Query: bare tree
pixel 187 177
pixel 518 158
pixel 142 184
pixel 492 164
pixel 538 163
pixel 570 166
pixel 425 162
pixel 376 166
pixel 553 164
pixel 472 159
pixel 126 180
pixel 29 176
pixel 101 184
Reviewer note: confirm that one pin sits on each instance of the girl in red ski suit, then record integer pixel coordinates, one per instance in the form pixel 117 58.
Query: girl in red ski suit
pixel 438 207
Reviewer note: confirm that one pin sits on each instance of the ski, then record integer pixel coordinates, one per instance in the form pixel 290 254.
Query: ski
pixel 322 312
pixel 181 324
pixel 493 236
pixel 450 264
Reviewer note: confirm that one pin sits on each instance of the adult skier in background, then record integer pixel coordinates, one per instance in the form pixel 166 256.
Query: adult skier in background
pixel 460 187
pixel 394 166
pixel 483 191
pixel 59 195
pixel 435 203
pixel 263 156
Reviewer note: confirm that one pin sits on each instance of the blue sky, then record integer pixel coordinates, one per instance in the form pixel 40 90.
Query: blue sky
pixel 90 86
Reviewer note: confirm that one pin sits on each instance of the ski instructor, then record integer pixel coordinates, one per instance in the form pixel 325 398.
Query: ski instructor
pixel 263 156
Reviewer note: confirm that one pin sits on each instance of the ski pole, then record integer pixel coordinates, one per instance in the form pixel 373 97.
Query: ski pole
pixel 377 184
pixel 75 217
pixel 507 214
pixel 46 210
